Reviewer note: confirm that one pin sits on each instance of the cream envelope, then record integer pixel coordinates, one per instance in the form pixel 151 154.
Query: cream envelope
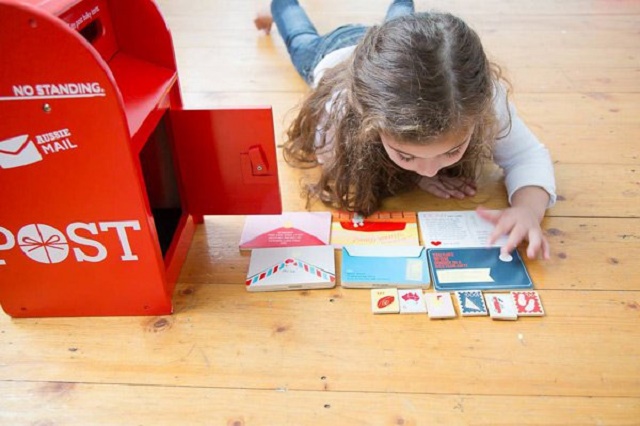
pixel 382 266
pixel 18 151
pixel 291 268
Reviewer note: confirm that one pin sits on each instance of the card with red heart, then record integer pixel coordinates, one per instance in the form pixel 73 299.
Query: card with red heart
pixel 455 229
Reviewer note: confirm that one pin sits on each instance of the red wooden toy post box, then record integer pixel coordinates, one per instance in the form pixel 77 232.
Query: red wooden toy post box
pixel 103 174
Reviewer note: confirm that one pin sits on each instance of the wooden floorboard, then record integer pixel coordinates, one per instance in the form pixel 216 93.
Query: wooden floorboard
pixel 235 407
pixel 228 357
pixel 214 340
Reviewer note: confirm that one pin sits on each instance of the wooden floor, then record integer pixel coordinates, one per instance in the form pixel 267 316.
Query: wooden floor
pixel 227 357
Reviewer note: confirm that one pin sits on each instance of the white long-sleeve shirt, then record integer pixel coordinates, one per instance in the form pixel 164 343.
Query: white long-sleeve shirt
pixel 523 158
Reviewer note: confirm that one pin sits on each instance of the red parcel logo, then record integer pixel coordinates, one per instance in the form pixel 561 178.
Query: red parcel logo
pixel 45 244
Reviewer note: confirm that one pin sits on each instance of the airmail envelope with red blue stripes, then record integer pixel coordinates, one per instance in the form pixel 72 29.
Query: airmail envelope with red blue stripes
pixel 291 268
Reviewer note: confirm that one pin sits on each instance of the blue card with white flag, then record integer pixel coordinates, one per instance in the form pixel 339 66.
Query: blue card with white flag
pixel 477 269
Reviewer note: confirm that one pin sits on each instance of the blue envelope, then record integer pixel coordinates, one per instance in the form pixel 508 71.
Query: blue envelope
pixel 384 266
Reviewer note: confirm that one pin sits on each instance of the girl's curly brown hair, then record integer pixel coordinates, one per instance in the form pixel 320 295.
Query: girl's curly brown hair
pixel 413 78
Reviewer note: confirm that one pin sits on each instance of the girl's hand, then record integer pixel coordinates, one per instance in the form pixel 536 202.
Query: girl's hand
pixel 447 187
pixel 519 223
pixel 263 21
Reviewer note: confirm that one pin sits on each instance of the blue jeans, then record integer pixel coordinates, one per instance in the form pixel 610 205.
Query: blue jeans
pixel 306 47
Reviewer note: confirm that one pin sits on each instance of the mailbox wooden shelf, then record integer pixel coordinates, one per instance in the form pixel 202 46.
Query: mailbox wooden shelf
pixel 105 172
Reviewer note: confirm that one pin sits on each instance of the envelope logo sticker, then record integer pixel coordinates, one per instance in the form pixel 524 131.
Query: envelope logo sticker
pixel 18 151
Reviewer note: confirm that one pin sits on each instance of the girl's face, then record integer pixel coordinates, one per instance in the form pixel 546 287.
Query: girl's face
pixel 428 159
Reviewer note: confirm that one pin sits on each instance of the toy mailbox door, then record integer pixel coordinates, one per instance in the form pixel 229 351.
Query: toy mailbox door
pixel 227 160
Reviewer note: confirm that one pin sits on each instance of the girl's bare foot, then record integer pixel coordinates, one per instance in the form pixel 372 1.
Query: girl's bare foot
pixel 263 22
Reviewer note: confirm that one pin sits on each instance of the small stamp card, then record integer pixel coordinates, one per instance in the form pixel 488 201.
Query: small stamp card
pixel 412 301
pixel 385 301
pixel 501 306
pixel 528 303
pixel 471 303
pixel 440 305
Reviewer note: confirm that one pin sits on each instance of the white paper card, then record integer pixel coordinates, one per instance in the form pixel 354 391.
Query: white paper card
pixel 455 229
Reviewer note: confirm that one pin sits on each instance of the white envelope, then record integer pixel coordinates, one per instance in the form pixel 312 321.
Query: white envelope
pixel 18 151
pixel 291 268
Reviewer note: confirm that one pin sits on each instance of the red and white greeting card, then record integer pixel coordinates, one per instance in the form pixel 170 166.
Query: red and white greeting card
pixel 289 229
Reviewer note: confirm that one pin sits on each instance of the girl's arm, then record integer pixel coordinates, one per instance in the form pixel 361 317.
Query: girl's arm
pixel 524 159
pixel 530 182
